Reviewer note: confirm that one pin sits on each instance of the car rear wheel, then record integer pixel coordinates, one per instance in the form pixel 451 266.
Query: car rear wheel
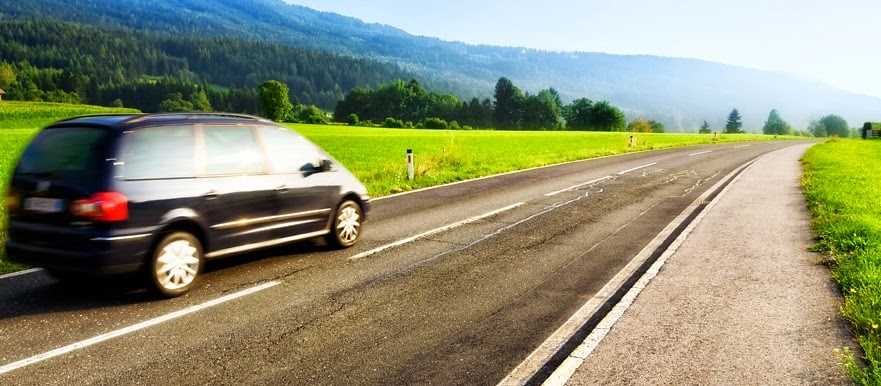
pixel 346 227
pixel 176 263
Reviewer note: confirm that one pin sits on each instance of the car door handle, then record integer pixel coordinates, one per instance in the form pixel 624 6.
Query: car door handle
pixel 210 195
pixel 282 189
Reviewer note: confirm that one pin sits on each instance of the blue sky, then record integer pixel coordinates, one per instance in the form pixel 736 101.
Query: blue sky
pixel 835 42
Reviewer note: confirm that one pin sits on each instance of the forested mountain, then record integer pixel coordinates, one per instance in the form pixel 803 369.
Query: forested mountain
pixel 272 39
pixel 109 63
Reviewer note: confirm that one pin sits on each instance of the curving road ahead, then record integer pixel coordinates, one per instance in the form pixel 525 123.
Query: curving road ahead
pixel 452 285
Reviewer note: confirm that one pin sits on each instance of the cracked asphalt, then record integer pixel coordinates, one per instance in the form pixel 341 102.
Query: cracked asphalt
pixel 462 306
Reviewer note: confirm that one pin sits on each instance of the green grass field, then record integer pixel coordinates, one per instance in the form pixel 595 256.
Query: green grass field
pixel 842 185
pixel 33 115
pixel 378 156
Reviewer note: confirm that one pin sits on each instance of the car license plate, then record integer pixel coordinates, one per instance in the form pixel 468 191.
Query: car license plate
pixel 44 205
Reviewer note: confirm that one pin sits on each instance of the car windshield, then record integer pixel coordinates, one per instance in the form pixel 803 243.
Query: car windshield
pixel 74 153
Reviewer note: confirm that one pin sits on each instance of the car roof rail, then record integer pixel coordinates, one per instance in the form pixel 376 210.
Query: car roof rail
pixel 144 117
pixel 97 116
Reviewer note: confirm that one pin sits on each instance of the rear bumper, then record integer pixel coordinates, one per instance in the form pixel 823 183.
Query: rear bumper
pixel 85 252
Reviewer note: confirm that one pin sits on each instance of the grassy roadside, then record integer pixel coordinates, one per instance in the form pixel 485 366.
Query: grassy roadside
pixel 378 156
pixel 842 185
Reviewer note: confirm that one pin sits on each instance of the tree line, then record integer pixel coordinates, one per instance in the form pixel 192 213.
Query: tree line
pixel 827 126
pixel 408 104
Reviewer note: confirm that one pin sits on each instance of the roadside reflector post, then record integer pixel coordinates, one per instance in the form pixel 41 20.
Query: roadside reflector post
pixel 632 141
pixel 410 163
pixel 715 136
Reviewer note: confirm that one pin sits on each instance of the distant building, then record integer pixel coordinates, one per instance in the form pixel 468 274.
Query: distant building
pixel 1 94
pixel 871 130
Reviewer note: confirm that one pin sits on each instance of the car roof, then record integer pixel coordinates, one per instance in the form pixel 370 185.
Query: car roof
pixel 128 121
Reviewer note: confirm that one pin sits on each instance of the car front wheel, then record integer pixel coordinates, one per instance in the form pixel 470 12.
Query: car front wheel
pixel 346 227
pixel 176 263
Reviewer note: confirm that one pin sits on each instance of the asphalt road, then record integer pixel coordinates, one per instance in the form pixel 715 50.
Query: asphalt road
pixel 502 263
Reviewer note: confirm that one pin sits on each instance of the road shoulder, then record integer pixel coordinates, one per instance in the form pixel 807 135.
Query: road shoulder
pixel 741 302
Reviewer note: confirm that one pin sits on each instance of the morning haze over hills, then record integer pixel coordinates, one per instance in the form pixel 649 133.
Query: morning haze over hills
pixel 321 56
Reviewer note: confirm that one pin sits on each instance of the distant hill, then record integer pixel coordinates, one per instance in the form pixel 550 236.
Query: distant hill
pixel 681 93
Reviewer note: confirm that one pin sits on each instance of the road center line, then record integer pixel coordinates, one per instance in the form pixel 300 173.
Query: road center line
pixel 573 187
pixel 133 328
pixel 433 231
pixel 703 152
pixel 742 146
pixel 636 168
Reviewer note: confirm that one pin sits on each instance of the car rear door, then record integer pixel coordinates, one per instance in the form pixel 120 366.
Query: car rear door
pixel 239 200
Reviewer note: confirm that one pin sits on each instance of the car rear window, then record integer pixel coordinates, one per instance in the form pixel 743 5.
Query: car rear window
pixel 158 152
pixel 67 154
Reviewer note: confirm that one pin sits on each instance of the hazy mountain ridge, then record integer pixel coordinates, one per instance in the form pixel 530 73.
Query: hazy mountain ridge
pixel 679 92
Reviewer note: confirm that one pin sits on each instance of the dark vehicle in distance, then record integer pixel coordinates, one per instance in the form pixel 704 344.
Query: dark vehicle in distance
pixel 160 193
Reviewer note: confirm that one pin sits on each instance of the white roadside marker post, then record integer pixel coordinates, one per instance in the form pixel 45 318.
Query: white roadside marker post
pixel 632 141
pixel 410 163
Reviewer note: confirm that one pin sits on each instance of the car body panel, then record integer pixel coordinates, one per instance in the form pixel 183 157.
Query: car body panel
pixel 233 197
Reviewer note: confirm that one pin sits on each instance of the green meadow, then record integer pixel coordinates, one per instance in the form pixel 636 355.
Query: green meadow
pixel 842 184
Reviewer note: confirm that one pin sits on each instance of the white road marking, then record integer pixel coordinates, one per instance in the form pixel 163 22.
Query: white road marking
pixel 136 327
pixel 742 146
pixel 703 152
pixel 573 187
pixel 636 168
pixel 433 231
pixel 19 273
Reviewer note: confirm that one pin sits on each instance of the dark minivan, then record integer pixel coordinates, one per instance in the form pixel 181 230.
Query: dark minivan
pixel 160 193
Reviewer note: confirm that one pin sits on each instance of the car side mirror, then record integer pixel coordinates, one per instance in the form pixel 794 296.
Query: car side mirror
pixel 326 165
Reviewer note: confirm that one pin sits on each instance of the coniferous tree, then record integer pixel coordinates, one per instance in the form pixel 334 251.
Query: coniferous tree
pixel 508 106
pixel 733 125
pixel 704 128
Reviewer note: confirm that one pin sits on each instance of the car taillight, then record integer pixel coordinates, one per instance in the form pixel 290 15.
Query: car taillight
pixel 12 201
pixel 102 206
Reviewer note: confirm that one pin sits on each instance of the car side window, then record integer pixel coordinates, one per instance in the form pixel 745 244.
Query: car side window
pixel 288 152
pixel 158 152
pixel 231 150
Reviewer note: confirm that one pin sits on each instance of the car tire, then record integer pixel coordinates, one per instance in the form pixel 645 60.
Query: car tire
pixel 175 264
pixel 345 229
